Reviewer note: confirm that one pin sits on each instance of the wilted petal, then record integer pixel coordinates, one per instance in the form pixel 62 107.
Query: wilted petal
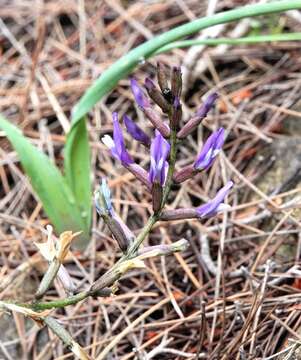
pixel 216 205
pixel 65 279
pixel 135 131
pixel 64 244
pixel 210 150
pixel 139 96
pixel 47 249
pixel 159 152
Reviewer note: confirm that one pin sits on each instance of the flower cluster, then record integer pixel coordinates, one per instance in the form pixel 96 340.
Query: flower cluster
pixel 162 147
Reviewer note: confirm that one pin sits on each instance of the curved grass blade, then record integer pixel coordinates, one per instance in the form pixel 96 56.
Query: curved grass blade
pixel 51 187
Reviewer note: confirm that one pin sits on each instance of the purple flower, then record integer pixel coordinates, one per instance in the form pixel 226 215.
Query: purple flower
pixel 159 166
pixel 139 96
pixel 207 105
pixel 216 205
pixel 135 131
pixel 116 145
pixel 210 150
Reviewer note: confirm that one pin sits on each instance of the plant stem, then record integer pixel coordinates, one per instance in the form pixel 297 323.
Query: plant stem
pixel 60 303
pixel 171 168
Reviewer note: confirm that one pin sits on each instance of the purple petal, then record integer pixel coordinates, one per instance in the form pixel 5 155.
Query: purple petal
pixel 207 105
pixel 159 152
pixel 119 151
pixel 135 131
pixel 215 205
pixel 139 96
pixel 210 150
pixel 149 84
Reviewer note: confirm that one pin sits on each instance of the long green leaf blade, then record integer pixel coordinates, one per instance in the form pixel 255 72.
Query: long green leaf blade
pixel 78 171
pixel 57 198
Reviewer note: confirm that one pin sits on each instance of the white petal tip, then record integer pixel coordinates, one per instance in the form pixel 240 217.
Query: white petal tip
pixel 108 141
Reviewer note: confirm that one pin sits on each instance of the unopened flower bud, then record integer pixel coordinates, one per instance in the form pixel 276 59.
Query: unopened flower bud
pixel 200 115
pixel 184 174
pixel 207 106
pixel 109 278
pixel 176 82
pixel 179 214
pixel 139 173
pixel 155 119
pixel 176 114
pixel 163 250
pixel 155 95
pixel 163 83
pixel 162 77
pixel 157 192
pixel 120 231
pixel 139 96
pixel 116 227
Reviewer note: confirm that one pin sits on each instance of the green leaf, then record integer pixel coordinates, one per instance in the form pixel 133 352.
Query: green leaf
pixel 78 172
pixel 56 196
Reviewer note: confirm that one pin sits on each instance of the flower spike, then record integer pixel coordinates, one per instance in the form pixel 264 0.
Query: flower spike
pixel 210 150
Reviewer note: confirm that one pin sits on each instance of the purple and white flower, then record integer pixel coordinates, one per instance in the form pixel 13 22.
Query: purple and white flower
pixel 216 205
pixel 159 166
pixel 210 150
pixel 139 96
pixel 135 131
pixel 116 145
